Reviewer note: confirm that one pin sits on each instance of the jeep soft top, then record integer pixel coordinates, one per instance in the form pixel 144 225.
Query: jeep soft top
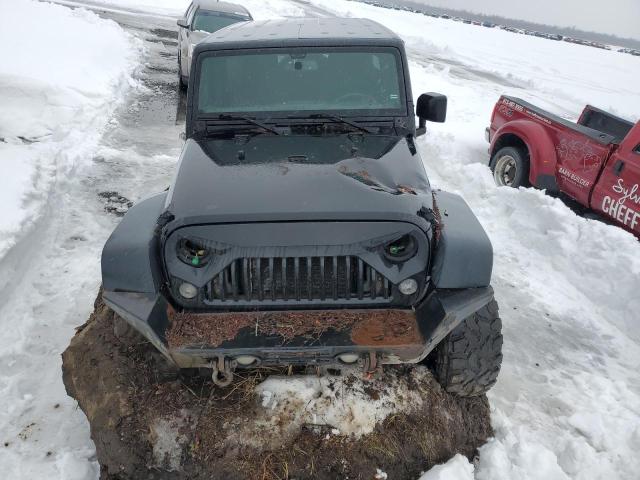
pixel 301 228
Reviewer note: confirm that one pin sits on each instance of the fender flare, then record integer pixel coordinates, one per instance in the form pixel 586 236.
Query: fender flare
pixel 542 151
pixel 463 257
pixel 130 258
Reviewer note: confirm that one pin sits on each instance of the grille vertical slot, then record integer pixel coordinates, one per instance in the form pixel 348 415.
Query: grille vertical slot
pixel 327 279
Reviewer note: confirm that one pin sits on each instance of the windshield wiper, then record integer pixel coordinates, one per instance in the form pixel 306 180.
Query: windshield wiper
pixel 250 120
pixel 343 120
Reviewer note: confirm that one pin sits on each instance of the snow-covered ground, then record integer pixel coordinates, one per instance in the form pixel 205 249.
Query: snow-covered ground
pixel 56 90
pixel 567 403
pixel 61 77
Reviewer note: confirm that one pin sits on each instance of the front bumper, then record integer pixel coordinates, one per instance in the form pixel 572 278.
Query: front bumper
pixel 303 337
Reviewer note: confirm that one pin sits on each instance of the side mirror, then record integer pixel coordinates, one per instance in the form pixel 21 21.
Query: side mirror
pixel 431 107
pixel 183 24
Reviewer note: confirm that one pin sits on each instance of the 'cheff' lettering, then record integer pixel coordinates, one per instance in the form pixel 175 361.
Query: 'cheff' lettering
pixel 621 212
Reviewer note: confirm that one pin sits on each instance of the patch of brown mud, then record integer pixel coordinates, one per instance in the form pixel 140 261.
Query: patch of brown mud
pixel 148 422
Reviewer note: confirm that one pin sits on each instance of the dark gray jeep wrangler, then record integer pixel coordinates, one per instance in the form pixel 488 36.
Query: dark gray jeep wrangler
pixel 301 228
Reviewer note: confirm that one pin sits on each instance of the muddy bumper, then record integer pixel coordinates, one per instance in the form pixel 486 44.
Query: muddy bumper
pixel 298 337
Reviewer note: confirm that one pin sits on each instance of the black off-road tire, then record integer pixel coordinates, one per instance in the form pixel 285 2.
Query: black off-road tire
pixel 467 361
pixel 510 167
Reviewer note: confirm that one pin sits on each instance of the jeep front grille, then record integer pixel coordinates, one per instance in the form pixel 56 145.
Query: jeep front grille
pixel 336 280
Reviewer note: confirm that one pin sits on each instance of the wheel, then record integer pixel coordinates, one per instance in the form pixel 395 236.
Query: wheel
pixel 467 361
pixel 510 167
pixel 181 80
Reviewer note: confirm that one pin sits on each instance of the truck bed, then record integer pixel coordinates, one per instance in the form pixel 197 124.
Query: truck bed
pixel 601 137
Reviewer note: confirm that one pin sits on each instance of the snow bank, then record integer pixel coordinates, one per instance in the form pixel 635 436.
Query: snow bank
pixel 60 72
pixel 567 402
pixel 60 69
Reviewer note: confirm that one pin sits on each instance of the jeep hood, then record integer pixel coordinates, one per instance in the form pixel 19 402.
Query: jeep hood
pixel 298 178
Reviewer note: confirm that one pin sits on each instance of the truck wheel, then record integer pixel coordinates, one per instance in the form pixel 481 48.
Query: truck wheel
pixel 510 167
pixel 467 361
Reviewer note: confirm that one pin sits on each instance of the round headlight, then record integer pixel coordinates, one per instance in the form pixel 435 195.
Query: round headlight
pixel 188 291
pixel 193 253
pixel 408 286
pixel 402 249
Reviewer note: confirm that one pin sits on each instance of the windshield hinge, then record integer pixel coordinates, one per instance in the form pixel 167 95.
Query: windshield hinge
pixel 401 127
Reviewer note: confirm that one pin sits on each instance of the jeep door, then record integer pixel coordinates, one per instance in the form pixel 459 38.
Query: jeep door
pixel 617 193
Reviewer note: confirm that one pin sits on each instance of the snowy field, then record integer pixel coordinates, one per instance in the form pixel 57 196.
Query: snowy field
pixel 567 402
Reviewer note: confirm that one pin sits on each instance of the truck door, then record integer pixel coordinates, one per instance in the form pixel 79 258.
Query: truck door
pixel 580 161
pixel 617 193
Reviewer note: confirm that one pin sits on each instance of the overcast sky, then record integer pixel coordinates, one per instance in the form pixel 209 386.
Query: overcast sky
pixel 616 17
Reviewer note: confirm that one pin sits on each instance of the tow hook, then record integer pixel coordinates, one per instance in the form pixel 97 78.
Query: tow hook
pixel 371 366
pixel 223 368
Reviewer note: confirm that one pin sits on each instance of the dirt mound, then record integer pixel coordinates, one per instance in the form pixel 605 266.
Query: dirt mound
pixel 150 422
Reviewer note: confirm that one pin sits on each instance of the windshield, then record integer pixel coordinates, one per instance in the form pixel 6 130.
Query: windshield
pixel 213 21
pixel 365 82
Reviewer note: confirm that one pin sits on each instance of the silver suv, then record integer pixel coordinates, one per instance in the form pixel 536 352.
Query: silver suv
pixel 202 18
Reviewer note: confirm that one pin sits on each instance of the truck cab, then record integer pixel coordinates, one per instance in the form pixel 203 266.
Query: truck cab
pixel 616 194
pixel 595 161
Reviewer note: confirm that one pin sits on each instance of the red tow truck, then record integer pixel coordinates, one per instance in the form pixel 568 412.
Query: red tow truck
pixel 595 162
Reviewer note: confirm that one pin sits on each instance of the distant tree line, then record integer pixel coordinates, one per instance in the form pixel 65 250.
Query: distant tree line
pixel 521 24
